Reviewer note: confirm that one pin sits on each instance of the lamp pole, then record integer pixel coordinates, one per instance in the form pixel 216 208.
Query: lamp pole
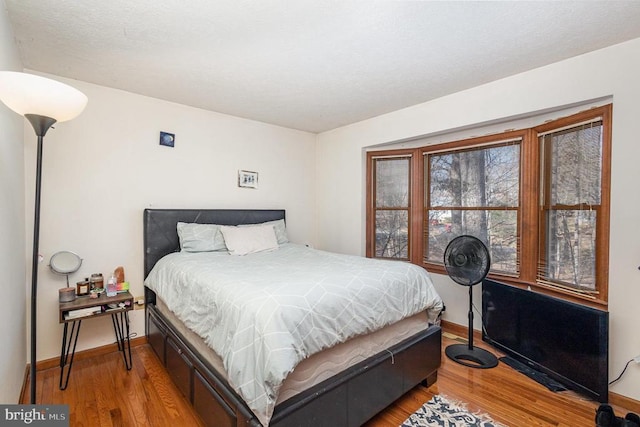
pixel 41 125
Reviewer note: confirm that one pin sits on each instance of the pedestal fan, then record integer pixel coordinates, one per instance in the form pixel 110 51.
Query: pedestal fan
pixel 467 262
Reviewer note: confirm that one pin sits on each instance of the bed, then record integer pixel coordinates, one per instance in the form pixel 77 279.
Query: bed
pixel 336 385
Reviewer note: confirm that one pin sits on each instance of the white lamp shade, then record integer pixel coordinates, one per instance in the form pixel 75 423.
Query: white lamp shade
pixel 30 94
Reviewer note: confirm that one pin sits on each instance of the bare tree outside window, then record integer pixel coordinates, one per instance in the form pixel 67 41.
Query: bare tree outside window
pixel 572 161
pixel 474 192
pixel 392 207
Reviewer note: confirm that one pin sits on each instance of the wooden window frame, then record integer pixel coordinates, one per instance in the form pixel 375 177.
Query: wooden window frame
pixel 529 209
pixel 371 210
pixel 603 210
pixel 524 206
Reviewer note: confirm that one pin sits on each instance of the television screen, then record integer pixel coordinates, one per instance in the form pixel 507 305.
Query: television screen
pixel 568 342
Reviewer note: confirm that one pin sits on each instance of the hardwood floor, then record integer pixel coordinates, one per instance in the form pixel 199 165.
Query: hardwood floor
pixel 102 393
pixel 502 393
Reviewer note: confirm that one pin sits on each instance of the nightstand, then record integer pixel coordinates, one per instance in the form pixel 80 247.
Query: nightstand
pixel 84 308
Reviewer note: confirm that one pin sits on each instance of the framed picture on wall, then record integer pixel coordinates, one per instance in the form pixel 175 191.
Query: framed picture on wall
pixel 167 139
pixel 247 179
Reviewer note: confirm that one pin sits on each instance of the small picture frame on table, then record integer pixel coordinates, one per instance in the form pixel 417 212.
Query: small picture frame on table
pixel 247 179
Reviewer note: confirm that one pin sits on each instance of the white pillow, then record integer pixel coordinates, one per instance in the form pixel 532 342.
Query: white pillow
pixel 247 240
pixel 279 227
pixel 200 237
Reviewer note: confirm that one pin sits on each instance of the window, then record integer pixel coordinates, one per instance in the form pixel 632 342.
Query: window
pixel 538 198
pixel 474 191
pixel 571 208
pixel 391 206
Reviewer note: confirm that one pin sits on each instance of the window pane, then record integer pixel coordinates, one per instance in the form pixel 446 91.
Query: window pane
pixel 392 182
pixel 576 165
pixel 483 177
pixel 496 228
pixel 571 248
pixel 392 234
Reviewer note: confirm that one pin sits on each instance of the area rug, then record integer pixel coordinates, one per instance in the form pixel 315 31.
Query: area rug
pixel 439 412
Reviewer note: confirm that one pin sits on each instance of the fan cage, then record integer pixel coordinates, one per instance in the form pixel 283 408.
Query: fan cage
pixel 467 260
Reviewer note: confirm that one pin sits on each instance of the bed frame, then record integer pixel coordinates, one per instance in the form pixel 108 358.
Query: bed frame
pixel 349 398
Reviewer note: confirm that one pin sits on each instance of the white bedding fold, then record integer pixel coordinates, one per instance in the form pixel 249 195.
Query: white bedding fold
pixel 265 312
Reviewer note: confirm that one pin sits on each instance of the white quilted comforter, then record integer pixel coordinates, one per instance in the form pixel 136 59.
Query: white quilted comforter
pixel 265 312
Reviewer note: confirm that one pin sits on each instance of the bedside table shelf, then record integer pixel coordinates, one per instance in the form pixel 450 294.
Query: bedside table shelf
pixel 89 308
pixel 85 302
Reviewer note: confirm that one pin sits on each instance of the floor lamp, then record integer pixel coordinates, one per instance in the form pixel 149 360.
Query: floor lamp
pixel 42 102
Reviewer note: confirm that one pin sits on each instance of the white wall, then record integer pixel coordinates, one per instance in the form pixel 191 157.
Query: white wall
pixel 609 72
pixel 12 237
pixel 103 168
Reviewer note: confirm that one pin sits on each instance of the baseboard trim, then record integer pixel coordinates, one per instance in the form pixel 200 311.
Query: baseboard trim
pixel 80 355
pixel 614 398
pixel 86 354
pixel 459 330
pixel 625 402
pixel 22 397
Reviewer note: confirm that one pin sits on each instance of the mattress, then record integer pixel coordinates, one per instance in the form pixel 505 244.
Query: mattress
pixel 319 366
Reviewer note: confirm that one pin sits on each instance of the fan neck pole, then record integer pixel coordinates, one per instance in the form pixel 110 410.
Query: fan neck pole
pixel 470 317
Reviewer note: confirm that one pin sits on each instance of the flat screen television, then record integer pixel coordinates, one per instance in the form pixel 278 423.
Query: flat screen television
pixel 566 341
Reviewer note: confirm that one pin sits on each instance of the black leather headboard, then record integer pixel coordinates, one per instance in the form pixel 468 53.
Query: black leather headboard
pixel 161 236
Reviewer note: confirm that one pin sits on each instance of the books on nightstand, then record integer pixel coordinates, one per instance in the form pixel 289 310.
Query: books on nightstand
pixel 82 312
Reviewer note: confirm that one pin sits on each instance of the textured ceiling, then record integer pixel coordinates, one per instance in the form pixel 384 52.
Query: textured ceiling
pixel 310 65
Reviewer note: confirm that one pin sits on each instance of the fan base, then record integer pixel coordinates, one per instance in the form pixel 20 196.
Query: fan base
pixel 473 357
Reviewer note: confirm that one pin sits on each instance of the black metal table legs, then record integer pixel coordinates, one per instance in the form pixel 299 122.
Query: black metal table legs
pixel 120 322
pixel 67 339
pixel 121 329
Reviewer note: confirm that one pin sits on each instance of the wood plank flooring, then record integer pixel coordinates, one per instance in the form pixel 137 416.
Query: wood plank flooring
pixel 502 393
pixel 101 393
